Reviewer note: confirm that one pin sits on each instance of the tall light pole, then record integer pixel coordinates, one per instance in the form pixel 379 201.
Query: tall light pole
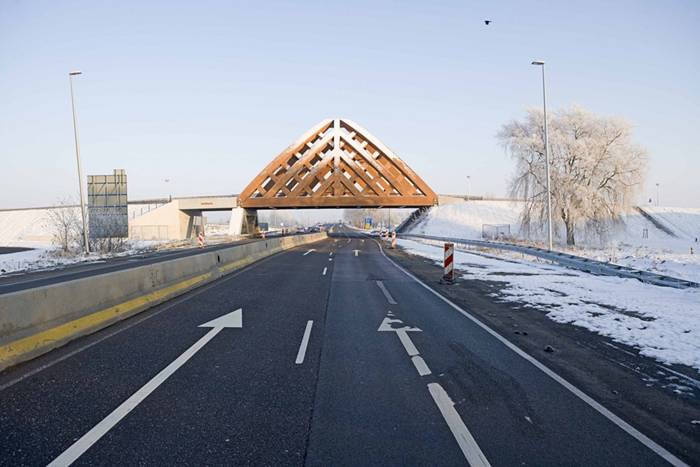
pixel 469 178
pixel 546 156
pixel 657 195
pixel 77 157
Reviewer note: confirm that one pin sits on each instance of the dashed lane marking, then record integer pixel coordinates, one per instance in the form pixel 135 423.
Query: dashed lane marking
pixel 304 343
pixel 386 293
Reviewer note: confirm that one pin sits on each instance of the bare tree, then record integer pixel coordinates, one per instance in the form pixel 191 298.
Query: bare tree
pixel 65 226
pixel 596 169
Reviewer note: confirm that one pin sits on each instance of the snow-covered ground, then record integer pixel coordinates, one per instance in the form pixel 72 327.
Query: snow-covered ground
pixel 47 257
pixel 633 242
pixel 662 322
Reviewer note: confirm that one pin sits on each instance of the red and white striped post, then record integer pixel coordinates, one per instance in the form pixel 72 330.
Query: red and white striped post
pixel 448 264
pixel 200 239
pixel 393 239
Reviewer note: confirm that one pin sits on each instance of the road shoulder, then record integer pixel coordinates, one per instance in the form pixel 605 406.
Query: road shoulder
pixel 613 374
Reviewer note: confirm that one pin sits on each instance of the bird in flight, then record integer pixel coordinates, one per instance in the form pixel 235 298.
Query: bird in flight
pixel 487 22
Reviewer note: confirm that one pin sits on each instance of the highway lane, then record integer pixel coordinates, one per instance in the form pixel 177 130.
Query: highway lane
pixel 14 282
pixel 242 398
pixel 385 374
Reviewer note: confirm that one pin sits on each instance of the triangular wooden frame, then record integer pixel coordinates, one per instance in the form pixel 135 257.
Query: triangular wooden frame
pixel 337 164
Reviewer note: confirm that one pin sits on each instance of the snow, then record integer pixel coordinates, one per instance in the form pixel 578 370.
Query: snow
pixel 662 322
pixel 634 242
pixel 50 257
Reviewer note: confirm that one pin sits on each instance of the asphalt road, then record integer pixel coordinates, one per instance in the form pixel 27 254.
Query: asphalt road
pixel 4 250
pixel 336 357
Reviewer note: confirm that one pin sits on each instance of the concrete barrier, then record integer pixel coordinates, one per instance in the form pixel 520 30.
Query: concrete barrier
pixel 35 321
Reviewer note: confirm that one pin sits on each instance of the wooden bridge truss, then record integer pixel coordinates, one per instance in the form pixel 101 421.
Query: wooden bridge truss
pixel 337 164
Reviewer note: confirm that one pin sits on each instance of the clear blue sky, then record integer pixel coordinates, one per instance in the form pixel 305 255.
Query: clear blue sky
pixel 206 93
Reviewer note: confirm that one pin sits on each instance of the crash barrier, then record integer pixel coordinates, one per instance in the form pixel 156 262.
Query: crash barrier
pixel 34 321
pixel 570 261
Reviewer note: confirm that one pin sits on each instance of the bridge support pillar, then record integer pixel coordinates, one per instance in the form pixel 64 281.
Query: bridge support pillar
pixel 243 221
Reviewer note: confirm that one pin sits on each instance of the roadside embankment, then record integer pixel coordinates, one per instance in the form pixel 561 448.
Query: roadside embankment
pixel 34 321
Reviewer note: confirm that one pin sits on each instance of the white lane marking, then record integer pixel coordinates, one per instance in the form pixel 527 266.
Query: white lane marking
pixel 386 293
pixel 313 249
pixel 324 271
pixel 420 365
pixel 356 252
pixel 330 254
pixel 77 449
pixel 304 343
pixel 629 429
pixel 411 349
pixel 464 438
pixel 330 259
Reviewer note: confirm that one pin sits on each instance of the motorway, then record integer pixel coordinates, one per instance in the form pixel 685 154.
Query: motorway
pixel 22 280
pixel 328 354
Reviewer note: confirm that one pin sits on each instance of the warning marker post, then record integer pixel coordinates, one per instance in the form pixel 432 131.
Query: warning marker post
pixel 448 276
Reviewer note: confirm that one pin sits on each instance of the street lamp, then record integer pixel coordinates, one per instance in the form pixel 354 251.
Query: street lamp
pixel 657 195
pixel 469 178
pixel 546 156
pixel 77 157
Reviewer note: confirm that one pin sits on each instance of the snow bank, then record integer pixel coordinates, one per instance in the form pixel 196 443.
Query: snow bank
pixel 633 242
pixel 662 322
pixel 466 220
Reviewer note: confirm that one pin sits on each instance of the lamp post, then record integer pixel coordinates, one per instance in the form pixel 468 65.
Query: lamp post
pixel 77 157
pixel 546 156
pixel 469 179
pixel 657 195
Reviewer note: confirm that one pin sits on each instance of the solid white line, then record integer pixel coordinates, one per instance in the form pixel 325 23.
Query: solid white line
pixel 629 429
pixel 324 271
pixel 386 293
pixel 313 249
pixel 411 349
pixel 304 343
pixel 78 448
pixel 420 365
pixel 464 438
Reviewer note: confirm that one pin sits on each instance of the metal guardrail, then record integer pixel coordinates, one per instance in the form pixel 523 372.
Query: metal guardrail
pixel 570 261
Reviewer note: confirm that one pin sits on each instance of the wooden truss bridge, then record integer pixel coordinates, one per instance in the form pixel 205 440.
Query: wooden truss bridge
pixel 337 164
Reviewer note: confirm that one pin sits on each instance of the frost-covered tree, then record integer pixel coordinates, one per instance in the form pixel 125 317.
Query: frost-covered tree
pixel 595 168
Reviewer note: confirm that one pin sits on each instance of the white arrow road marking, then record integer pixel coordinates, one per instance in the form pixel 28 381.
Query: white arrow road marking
pixel 304 343
pixel 420 365
pixel 77 449
pixel 313 249
pixel 324 271
pixel 386 293
pixel 402 332
pixel 464 438
pixel 471 451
